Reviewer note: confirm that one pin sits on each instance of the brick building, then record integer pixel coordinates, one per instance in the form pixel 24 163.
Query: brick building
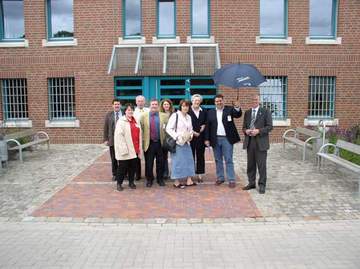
pixel 62 62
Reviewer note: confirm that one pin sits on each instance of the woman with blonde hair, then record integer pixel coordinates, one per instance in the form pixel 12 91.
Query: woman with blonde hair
pixel 166 106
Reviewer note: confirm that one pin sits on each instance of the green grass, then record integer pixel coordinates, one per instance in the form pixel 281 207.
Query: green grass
pixel 347 155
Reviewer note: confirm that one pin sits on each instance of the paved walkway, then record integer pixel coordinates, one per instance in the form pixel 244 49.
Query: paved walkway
pixel 59 209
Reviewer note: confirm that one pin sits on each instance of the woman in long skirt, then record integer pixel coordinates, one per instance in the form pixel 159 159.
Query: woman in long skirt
pixel 182 161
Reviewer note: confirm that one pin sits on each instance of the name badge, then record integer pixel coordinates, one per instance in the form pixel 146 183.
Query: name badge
pixel 164 126
pixel 229 118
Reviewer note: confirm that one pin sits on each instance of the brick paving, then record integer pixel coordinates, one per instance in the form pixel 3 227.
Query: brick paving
pixel 92 194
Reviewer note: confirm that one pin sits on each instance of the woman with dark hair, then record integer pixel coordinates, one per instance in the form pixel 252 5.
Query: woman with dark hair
pixel 166 106
pixel 180 128
pixel 127 143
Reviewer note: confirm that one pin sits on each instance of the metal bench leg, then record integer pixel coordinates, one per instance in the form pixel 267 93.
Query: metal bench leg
pixel 20 155
pixel 48 145
pixel 304 152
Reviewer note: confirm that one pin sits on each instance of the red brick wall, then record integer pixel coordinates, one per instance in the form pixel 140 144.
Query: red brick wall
pixel 235 24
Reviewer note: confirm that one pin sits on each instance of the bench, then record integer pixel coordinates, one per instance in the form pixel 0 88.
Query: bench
pixel 336 158
pixel 310 137
pixel 34 137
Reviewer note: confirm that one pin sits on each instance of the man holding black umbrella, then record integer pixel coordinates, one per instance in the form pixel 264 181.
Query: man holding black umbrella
pixel 221 134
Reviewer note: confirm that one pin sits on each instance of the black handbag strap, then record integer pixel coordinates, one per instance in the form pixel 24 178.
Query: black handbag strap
pixel 176 122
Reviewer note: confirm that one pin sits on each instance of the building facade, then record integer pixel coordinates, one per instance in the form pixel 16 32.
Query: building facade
pixel 63 61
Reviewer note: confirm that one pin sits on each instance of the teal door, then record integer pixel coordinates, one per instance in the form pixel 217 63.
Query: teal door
pixel 173 88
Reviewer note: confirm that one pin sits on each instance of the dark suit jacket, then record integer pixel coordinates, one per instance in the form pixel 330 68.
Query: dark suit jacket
pixel 109 128
pixel 230 129
pixel 197 122
pixel 263 122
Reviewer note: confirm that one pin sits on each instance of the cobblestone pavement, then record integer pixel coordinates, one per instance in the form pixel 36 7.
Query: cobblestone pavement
pixel 311 244
pixel 298 190
pixel 25 186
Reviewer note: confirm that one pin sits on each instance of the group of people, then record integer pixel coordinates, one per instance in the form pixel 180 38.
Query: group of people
pixel 139 133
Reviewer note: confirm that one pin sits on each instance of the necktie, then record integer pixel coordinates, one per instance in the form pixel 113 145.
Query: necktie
pixel 116 117
pixel 153 131
pixel 253 118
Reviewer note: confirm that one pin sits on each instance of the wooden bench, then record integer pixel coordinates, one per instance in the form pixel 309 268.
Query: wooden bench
pixel 302 137
pixel 34 137
pixel 336 158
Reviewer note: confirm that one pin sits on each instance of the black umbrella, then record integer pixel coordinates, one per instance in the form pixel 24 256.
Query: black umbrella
pixel 238 76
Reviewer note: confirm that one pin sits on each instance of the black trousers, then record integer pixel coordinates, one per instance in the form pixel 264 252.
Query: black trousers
pixel 114 162
pixel 138 169
pixel 198 151
pixel 256 159
pixel 165 163
pixel 154 152
pixel 126 167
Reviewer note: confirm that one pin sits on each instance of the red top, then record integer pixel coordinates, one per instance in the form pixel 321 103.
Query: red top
pixel 135 135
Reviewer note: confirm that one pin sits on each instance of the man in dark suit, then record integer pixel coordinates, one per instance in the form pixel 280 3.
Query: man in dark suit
pixel 221 134
pixel 256 127
pixel 109 128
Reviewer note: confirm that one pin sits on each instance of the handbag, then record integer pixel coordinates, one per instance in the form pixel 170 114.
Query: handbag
pixel 170 143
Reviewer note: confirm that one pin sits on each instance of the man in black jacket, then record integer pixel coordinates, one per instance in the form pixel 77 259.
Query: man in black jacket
pixel 109 127
pixel 221 134
pixel 256 127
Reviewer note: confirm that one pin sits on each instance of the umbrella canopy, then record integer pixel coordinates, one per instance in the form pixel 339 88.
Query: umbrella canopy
pixel 238 76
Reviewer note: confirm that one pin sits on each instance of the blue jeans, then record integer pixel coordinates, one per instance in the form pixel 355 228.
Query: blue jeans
pixel 224 150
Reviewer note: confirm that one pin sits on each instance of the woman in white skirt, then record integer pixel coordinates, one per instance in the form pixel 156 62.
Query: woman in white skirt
pixel 182 161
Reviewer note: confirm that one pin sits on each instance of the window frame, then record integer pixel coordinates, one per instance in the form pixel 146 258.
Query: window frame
pixel 50 104
pixel 49 32
pixel 125 36
pixel 334 15
pixel 284 81
pixel 209 22
pixel 285 29
pixel 2 30
pixel 158 22
pixel 332 96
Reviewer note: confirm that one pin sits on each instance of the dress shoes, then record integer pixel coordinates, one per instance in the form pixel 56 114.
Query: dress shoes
pixel 219 182
pixel 261 189
pixel 132 186
pixel 232 184
pixel 119 187
pixel 249 187
pixel 149 184
pixel 161 183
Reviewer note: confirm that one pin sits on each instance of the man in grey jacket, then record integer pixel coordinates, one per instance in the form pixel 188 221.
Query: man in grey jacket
pixel 109 128
pixel 256 128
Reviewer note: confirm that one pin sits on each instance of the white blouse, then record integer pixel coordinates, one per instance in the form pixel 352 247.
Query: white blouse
pixel 184 126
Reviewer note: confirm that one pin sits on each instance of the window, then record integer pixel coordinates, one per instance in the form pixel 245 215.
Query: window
pixel 15 100
pixel 166 19
pixel 132 18
pixel 200 18
pixel 60 19
pixel 273 18
pixel 323 19
pixel 126 89
pixel 273 96
pixel 61 98
pixel 321 97
pixel 11 20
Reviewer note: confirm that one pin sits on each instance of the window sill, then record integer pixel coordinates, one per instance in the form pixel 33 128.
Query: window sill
pixel 315 122
pixel 283 41
pixel 200 40
pixel 130 41
pixel 175 40
pixel 310 41
pixel 15 44
pixel 282 123
pixel 16 124
pixel 60 43
pixel 62 124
